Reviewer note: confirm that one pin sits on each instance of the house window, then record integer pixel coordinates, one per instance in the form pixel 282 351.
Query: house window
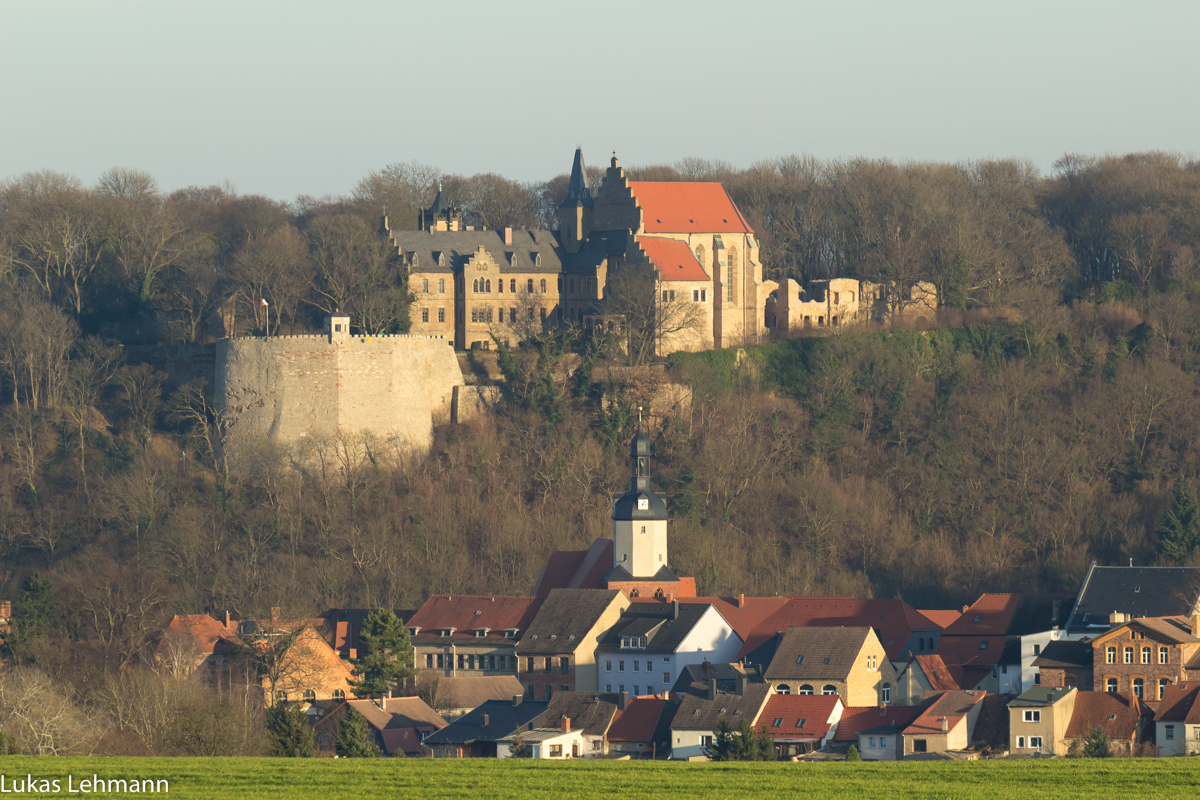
pixel 608 666
pixel 829 688
pixel 424 315
pixel 1162 687
pixel 1110 685
pixel 1035 742
pixel 608 687
pixel 564 665
pixel 1033 716
pixel 441 285
pixel 783 688
pixel 883 742
pixel 805 689
pixel 462 660
pixel 872 745
pixel 1139 686
pixel 1037 649
pixel 542 286
pixel 919 746
pixel 1128 655
pixel 339 694
pixel 429 661
pixel 667 678
pixel 706 741
pixel 1162 655
pixel 1020 742
pixel 1169 730
pixel 636 690
pixel 441 315
pixel 887 693
pixel 1145 655
pixel 1110 655
pixel 549 690
pixel 310 696
pixel 281 697
pixel 424 285
pixel 636 665
pixel 556 751
pixel 620 666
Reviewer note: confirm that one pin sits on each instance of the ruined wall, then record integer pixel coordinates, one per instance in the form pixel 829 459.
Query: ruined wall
pixel 287 388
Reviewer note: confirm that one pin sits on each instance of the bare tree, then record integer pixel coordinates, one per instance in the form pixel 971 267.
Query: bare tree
pixel 653 314
pixel 40 718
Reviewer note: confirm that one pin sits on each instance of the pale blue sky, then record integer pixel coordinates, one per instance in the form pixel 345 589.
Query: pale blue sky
pixel 288 98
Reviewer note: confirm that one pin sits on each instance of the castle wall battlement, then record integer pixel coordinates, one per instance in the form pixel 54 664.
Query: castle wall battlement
pixel 286 388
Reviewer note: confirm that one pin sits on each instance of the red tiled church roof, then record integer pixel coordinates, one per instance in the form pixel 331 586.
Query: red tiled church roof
pixel 683 207
pixel 673 259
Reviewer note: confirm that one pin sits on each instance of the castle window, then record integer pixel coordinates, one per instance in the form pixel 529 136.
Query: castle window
pixel 424 285
pixel 424 315
pixel 512 285
pixel 560 283
pixel 487 286
pixel 571 285
pixel 700 254
pixel 731 274
pixel 441 259
pixel 500 285
pixel 441 285
pixel 542 286
pixel 310 696
pixel 543 314
pixel 531 313
pixel 475 286
pixel 441 315
pixel 537 262
pixel 529 286
pixel 502 310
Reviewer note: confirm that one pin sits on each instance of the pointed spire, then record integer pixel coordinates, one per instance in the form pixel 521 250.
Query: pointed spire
pixel 440 203
pixel 579 189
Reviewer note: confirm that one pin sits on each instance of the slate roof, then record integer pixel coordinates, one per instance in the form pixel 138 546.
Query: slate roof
pixel 665 639
pixel 589 712
pixel 469 613
pixel 952 705
pixel 894 621
pixel 460 246
pixel 1118 714
pixel 472 691
pixel 579 190
pixel 742 613
pixel 673 259
pixel 1179 704
pixel 687 207
pixel 576 569
pixel 1065 655
pixel 694 678
pixel 504 719
pixel 816 653
pixel 564 620
pixel 639 721
pixel 1140 591
pixel 626 507
pixel 701 714
pixel 800 717
pixel 1039 697
pixel 619 574
pixel 862 718
pixel 1173 629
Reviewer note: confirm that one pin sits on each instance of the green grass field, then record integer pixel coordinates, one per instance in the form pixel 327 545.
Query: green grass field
pixel 488 779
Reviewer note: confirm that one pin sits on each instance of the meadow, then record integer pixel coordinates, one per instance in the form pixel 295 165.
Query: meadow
pixel 254 778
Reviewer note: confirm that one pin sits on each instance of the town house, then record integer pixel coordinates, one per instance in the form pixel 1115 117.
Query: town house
pixel 470 635
pixel 558 651
pixel 1177 723
pixel 1038 720
pixel 1144 656
pixel 848 662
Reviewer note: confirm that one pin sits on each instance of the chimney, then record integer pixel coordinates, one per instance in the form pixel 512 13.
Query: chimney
pixel 712 689
pixel 275 613
pixel 537 236
pixel 508 236
pixel 741 601
pixel 622 700
pixel 227 627
pixel 566 724
pixel 485 722
pixel 739 685
pixel 965 609
pixel 517 698
pixel 945 724
pixel 674 609
pixel 353 653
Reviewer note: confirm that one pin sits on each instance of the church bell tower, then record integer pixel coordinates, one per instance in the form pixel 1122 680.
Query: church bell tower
pixel 640 518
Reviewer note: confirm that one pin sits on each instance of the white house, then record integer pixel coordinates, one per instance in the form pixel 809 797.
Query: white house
pixel 549 743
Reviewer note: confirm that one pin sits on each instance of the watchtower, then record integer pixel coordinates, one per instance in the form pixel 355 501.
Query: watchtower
pixel 337 327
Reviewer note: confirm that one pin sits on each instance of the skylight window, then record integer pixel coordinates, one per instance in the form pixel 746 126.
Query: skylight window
pixel 800 660
pixel 778 722
pixel 979 617
pixel 800 722
pixel 983 645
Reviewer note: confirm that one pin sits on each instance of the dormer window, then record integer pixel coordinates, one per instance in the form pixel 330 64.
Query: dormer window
pixel 512 259
pixel 414 630
pixel 983 645
pixel 441 259
pixel 510 633
pixel 537 261
pixel 481 632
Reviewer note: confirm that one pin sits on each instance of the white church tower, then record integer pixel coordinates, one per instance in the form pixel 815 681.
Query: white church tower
pixel 640 520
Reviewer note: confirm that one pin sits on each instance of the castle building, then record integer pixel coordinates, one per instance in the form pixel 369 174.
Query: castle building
pixel 688 237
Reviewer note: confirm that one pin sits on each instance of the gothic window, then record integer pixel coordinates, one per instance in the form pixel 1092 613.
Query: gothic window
pixel 487 286
pixel 512 285
pixel 731 274
pixel 424 285
pixel 500 285
pixel 537 261
pixel 441 285
pixel 542 286
pixel 700 254
pixel 441 259
pixel 529 286
pixel 475 285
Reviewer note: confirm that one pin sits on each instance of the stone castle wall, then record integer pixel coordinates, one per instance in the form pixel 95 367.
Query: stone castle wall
pixel 287 388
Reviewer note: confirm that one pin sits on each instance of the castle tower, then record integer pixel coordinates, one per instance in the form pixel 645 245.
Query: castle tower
pixel 441 216
pixel 640 518
pixel 337 327
pixel 575 211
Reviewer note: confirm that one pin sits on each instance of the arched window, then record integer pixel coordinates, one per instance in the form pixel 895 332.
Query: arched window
pixel 635 593
pixel 475 286
pixel 424 285
pixel 310 696
pixel 700 254
pixel 783 688
pixel 542 286
pixel 658 592
pixel 1110 685
pixel 281 697
pixel 487 286
pixel 339 694
pixel 1139 687
pixel 829 688
pixel 731 270
pixel 805 689
pixel 529 285
pixel 441 285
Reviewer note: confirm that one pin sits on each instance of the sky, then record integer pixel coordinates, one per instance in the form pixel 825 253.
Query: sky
pixel 292 98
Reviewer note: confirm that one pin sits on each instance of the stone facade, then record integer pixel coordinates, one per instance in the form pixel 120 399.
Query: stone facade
pixel 295 389
pixel 841 302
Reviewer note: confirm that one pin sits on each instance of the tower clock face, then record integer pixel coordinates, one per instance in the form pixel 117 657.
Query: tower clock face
pixel 643 504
